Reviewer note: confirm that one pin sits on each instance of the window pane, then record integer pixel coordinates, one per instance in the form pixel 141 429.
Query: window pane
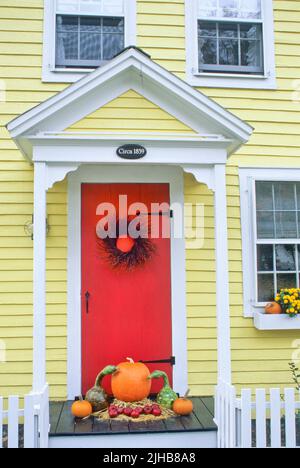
pixel 265 285
pixel 112 45
pixel 229 52
pixel 264 196
pixel 113 25
pixel 207 51
pixel 286 227
pixel 229 30
pixel 265 258
pixel 90 46
pixel 285 258
pixel 286 281
pixel 67 6
pixel 207 29
pixel 230 8
pixel 66 39
pixel 284 196
pixel 265 225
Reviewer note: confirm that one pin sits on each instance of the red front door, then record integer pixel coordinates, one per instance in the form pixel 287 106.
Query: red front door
pixel 128 313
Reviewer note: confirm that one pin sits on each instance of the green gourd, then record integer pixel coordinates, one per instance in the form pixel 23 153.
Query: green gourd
pixel 166 396
pixel 97 396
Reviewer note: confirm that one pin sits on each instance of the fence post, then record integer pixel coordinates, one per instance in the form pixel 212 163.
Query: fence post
pixel 290 421
pixel 261 422
pixel 246 419
pixel 13 422
pixel 275 418
pixel 29 422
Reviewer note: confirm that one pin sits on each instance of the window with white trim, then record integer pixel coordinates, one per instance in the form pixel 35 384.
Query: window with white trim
pixel 232 42
pixel 81 35
pixel 270 222
pixel 277 237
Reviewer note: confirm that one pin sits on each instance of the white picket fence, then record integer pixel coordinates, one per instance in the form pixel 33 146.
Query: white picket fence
pixel 261 419
pixel 34 417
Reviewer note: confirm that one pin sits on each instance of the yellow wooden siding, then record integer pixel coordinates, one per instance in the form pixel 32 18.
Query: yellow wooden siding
pixel 130 112
pixel 259 358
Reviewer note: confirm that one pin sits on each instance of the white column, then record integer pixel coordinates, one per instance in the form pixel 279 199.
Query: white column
pixel 222 275
pixel 39 278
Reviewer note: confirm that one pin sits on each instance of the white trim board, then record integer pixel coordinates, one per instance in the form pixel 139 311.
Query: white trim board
pixel 247 177
pixel 124 174
pixel 223 80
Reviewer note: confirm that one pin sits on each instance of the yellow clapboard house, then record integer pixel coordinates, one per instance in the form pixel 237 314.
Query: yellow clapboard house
pixel 209 92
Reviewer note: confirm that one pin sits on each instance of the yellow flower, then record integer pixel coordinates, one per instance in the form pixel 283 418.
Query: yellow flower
pixel 285 302
pixel 292 310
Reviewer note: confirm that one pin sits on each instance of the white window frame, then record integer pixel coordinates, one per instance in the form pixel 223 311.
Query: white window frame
pixel 230 80
pixel 248 177
pixel 50 72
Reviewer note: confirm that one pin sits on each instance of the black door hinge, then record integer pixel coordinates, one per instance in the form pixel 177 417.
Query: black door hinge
pixel 171 360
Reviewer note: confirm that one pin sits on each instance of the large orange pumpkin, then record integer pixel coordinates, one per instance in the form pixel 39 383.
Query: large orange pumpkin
pixel 131 381
pixel 273 308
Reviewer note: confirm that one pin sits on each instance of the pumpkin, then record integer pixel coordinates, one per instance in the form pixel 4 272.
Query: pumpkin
pixel 273 308
pixel 131 381
pixel 96 395
pixel 81 408
pixel 183 406
pixel 166 396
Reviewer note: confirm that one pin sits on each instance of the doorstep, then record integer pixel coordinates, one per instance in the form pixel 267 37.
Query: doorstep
pixel 195 430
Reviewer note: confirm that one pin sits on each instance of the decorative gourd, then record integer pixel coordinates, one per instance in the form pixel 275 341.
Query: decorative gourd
pixel 273 308
pixel 81 408
pixel 125 244
pixel 166 396
pixel 131 381
pixel 96 395
pixel 183 406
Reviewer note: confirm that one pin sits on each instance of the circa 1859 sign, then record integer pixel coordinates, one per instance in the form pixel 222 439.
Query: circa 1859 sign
pixel 131 151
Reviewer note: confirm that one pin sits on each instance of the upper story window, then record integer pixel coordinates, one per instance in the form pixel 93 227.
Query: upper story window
pixel 86 33
pixel 80 35
pixel 230 36
pixel 230 43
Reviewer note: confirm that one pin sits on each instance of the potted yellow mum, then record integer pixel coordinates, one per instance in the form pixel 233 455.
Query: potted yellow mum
pixel 289 300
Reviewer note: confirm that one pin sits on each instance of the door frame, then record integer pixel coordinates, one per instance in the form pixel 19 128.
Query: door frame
pixel 98 173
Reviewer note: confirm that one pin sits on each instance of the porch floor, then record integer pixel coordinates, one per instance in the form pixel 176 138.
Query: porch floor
pixel 63 423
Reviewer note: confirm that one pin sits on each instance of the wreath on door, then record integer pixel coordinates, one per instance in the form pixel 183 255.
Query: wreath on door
pixel 125 252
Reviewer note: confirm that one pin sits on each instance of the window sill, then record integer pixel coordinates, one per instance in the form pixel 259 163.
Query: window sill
pixel 263 321
pixel 62 75
pixel 224 80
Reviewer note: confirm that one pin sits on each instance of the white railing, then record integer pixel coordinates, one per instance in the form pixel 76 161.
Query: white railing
pixel 258 419
pixel 33 417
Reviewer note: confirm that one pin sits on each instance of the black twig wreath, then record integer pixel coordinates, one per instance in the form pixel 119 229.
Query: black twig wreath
pixel 143 249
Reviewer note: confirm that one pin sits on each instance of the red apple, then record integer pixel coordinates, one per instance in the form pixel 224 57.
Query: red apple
pixel 147 409
pixel 156 412
pixel 127 411
pixel 113 413
pixel 120 410
pixel 135 414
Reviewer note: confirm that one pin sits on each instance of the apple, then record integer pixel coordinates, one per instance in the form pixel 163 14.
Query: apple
pixel 147 409
pixel 127 411
pixel 156 412
pixel 135 414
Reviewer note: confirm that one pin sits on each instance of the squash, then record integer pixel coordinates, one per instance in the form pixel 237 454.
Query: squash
pixel 96 395
pixel 183 406
pixel 131 381
pixel 273 308
pixel 166 396
pixel 81 408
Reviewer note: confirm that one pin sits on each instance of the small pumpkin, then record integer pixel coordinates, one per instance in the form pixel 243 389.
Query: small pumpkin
pixel 81 409
pixel 166 396
pixel 273 308
pixel 131 381
pixel 96 395
pixel 183 406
